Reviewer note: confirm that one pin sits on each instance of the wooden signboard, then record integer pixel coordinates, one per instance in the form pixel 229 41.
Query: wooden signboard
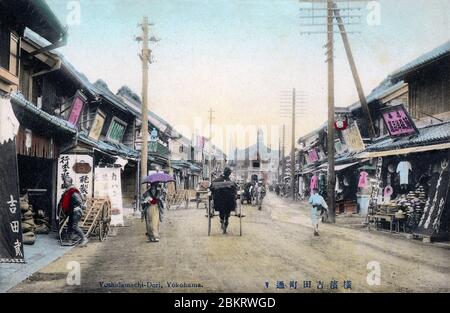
pixel 11 245
pixel 376 186
pixel 437 203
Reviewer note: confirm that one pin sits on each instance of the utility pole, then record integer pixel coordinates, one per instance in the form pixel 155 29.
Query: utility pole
pixel 210 143
pixel 351 61
pixel 145 58
pixel 330 138
pixel 318 19
pixel 283 164
pixel 293 147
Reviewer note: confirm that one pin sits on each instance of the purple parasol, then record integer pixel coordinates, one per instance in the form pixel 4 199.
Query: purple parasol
pixel 158 178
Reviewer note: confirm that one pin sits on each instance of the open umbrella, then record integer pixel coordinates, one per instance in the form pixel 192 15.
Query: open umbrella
pixel 157 178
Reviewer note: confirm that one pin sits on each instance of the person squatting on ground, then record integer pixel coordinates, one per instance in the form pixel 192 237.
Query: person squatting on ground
pixel 318 204
pixel 224 196
pixel 72 204
pixel 152 211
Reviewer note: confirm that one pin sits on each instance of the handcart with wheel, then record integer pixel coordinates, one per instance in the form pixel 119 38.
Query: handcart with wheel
pixel 95 221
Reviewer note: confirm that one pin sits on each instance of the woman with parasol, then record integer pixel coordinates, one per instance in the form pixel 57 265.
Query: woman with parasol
pixel 153 203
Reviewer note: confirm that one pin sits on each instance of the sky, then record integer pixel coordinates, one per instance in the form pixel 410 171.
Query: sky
pixel 242 58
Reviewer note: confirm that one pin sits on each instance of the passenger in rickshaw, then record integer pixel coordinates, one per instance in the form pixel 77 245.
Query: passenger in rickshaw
pixel 224 196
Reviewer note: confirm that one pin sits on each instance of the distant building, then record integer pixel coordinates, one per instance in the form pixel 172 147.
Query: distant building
pixel 257 159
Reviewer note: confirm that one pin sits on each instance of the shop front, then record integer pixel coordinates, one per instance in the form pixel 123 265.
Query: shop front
pixel 410 189
pixel 39 141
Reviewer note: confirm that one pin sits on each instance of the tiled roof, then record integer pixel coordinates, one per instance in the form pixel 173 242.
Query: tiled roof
pixel 423 59
pixel 110 147
pixel 432 134
pixel 19 100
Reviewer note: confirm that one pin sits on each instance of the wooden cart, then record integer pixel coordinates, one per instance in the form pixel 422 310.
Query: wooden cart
pixel 95 221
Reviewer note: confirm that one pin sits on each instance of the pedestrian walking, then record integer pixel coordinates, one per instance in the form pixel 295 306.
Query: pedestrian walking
pixel 153 209
pixel 318 206
pixel 71 203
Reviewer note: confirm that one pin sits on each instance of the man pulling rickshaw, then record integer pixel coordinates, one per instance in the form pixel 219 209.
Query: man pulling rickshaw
pixel 224 192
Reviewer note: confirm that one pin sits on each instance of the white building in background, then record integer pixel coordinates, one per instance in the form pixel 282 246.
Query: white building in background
pixel 257 159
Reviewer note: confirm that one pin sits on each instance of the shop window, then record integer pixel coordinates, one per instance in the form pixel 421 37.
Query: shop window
pixel 116 130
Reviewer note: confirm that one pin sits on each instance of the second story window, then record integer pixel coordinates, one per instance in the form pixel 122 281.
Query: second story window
pixel 4 46
pixel 9 47
pixel 116 129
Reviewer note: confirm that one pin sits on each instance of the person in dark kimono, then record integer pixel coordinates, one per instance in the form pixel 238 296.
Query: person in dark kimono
pixel 73 205
pixel 224 196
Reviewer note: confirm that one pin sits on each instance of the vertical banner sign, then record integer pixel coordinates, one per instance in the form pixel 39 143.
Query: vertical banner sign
pixel 77 106
pixel 353 138
pixel 11 247
pixel 108 184
pixel 97 125
pixel 430 221
pixel 376 186
pixel 80 169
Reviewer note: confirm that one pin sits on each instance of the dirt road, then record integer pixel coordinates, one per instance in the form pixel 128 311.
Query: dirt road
pixel 277 250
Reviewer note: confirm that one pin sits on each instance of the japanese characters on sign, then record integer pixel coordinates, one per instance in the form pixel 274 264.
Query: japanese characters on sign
pixel 313 155
pixel 430 222
pixel 11 246
pixel 398 121
pixel 97 125
pixel 353 139
pixel 77 107
pixel 79 168
pixel 108 184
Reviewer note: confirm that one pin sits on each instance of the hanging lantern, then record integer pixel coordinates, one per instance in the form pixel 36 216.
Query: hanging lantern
pixel 341 122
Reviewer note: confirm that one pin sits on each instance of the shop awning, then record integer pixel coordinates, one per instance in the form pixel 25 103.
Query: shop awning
pixel 376 154
pixel 340 167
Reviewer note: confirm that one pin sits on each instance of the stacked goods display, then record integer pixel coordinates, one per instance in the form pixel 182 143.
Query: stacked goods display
pixel 417 200
pixel 42 222
pixel 28 224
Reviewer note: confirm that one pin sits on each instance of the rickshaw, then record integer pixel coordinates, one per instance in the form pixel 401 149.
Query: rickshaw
pixel 211 210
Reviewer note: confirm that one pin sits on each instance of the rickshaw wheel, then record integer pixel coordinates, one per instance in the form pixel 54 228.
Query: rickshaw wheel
pixel 103 224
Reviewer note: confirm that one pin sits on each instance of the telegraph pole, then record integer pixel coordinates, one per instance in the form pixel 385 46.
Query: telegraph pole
pixel 330 139
pixel 351 61
pixel 293 146
pixel 283 165
pixel 210 143
pixel 145 58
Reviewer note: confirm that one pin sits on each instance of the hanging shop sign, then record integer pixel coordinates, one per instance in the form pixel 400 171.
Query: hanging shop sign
pixel 79 168
pixel 398 121
pixel 77 107
pixel 353 139
pixel 376 186
pixel 338 146
pixel 11 245
pixel 97 125
pixel 341 122
pixel 108 184
pixel 116 129
pixel 430 222
pixel 313 155
pixel 153 140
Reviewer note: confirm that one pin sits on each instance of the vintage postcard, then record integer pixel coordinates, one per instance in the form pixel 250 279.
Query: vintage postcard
pixel 191 147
